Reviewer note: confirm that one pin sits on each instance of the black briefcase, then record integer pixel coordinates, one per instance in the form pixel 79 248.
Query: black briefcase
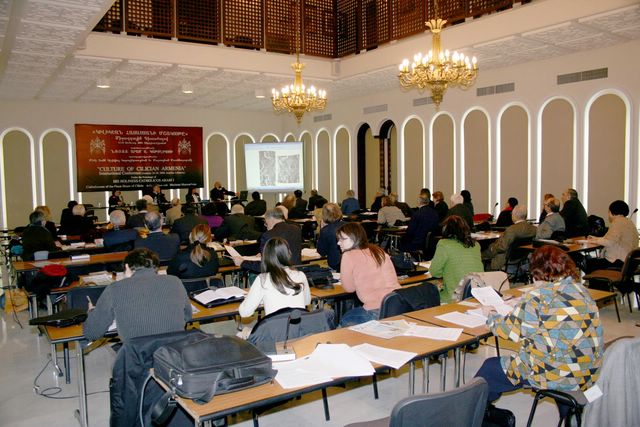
pixel 200 367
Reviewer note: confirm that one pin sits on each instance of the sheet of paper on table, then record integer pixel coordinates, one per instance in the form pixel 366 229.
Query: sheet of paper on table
pixel 219 294
pixel 310 253
pixel 382 329
pixel 488 297
pixel 384 356
pixel 434 332
pixel 462 319
pixel 234 253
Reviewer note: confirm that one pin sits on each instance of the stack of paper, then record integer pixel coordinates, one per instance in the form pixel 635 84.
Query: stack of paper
pixel 384 356
pixel 382 329
pixel 100 279
pixel 488 297
pixel 233 253
pixel 219 294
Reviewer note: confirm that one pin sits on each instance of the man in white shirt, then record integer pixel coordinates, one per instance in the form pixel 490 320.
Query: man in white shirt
pixel 621 239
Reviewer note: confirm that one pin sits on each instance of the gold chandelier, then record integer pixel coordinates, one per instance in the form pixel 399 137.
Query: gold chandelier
pixel 438 70
pixel 296 98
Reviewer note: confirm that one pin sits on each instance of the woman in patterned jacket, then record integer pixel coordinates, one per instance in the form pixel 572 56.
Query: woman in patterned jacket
pixel 558 326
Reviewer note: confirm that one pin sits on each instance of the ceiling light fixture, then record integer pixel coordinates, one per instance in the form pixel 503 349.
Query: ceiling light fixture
pixel 103 83
pixel 438 70
pixel 259 93
pixel 296 98
pixel 187 88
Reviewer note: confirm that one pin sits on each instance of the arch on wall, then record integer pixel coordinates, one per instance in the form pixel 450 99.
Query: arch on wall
pixel 341 159
pixel 412 165
pixel 322 156
pixel 586 141
pixel 557 122
pixel 3 178
pixel 511 128
pixel 361 151
pixel 269 137
pixel 52 146
pixel 212 139
pixel 238 154
pixel 475 138
pixel 442 146
pixel 289 137
pixel 606 135
pixel 72 170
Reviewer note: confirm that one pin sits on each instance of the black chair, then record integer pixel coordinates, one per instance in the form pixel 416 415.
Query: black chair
pixel 622 280
pixel 574 400
pixel 77 297
pixel 517 260
pixel 463 406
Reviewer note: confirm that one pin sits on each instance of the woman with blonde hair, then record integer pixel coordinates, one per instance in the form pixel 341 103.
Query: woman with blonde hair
pixel 197 260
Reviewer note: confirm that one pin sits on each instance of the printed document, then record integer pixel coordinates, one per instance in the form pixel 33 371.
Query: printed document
pixel 219 294
pixel 384 356
pixel 488 297
pixel 434 332
pixel 462 319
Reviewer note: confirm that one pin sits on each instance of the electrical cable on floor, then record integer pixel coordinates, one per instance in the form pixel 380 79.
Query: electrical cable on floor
pixel 13 307
pixel 50 392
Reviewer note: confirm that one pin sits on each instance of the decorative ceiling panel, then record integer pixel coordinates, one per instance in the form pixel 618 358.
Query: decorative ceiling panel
pixel 91 63
pixel 630 33
pixel 139 67
pixel 40 46
pixel 565 31
pixel 61 13
pixel 38 60
pixel 615 19
pixel 44 31
pixel 5 8
pixel 592 42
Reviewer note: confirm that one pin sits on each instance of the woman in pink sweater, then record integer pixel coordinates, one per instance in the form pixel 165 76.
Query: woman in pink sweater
pixel 366 270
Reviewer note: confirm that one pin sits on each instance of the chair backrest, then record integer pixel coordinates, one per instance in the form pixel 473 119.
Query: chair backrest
pixel 40 255
pixel 496 279
pixel 411 298
pixel 630 269
pixel 77 297
pixel 273 327
pixel 515 253
pixel 463 406
pixel 482 217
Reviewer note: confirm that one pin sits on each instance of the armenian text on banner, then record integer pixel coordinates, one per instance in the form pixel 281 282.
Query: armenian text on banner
pixel 126 157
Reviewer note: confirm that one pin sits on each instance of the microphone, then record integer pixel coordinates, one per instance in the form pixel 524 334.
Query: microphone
pixel 294 318
pixel 635 211
pixel 282 352
pixel 494 207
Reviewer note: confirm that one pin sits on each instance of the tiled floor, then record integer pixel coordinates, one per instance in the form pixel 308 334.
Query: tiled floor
pixel 25 354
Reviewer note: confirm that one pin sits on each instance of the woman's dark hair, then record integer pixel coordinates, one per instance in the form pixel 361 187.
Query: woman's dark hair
pixel 142 258
pixel 466 196
pixel 275 257
pixel 355 232
pixel 513 202
pixel 454 227
pixel 550 263
pixel 209 209
pixel 71 204
pixel 619 207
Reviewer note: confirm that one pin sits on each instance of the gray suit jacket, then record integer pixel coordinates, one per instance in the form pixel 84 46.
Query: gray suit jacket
pixel 551 223
pixel 497 252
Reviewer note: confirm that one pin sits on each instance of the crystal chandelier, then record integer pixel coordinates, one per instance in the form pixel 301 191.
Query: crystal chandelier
pixel 296 98
pixel 438 70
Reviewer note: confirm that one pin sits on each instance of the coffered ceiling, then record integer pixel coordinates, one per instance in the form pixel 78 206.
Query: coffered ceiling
pixel 47 53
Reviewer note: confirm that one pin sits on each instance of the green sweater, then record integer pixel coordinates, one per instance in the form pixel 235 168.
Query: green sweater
pixel 452 262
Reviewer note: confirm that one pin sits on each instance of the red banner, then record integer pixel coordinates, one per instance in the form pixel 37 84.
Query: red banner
pixel 114 157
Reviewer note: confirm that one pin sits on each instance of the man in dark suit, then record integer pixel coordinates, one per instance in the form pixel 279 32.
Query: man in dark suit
pixel 256 206
pixel 119 238
pixel 137 220
pixel 165 245
pixel 460 209
pixel 277 227
pixel 312 200
pixel 575 217
pixel 238 226
pixel 183 226
pixel 35 237
pixel 424 220
pixel 299 209
pixel 521 229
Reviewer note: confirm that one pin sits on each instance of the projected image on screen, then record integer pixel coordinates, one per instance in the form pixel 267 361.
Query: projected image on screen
pixel 276 167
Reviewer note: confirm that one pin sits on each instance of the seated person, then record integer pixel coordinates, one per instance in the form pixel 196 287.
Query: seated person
pixel 165 246
pixel 218 192
pixel 404 207
pixel 350 204
pixel 575 217
pixel 238 226
pixel 621 238
pixel 257 206
pixel 457 255
pixel 504 219
pixel 116 201
pixel 119 238
pixel 496 253
pixel 299 209
pixel 67 214
pixel 49 225
pixel 459 208
pixel 423 221
pixel 183 226
pixel 276 227
pixel 327 240
pixel 137 220
pixel 36 237
pixel 553 221
pixel 543 213
pixel 174 212
pixel 440 205
pixel 389 214
pixel 192 196
pixel 78 224
pixel 210 213
pixel 377 201
pixel 466 200
pixel 317 212
pixel 143 303
pixel 279 285
pixel 559 350
pixel 197 260
pixel 366 270
pixel 312 199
